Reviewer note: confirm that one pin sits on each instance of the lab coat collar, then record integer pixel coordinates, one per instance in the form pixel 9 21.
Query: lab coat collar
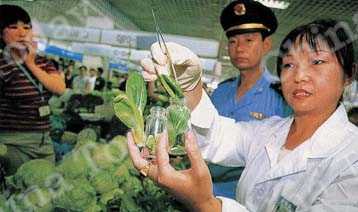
pixel 294 162
pixel 278 139
pixel 329 135
pixel 320 145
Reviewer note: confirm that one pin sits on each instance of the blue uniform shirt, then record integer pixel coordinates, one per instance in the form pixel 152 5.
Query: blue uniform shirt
pixel 261 101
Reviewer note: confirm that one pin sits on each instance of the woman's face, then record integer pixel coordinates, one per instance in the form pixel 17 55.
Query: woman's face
pixel 312 81
pixel 17 33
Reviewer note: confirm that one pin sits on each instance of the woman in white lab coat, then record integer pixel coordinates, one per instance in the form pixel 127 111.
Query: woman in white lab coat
pixel 307 162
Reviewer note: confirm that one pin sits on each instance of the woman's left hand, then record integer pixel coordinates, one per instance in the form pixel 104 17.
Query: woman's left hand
pixel 31 54
pixel 192 186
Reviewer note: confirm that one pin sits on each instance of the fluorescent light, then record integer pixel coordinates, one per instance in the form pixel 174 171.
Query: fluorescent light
pixel 274 4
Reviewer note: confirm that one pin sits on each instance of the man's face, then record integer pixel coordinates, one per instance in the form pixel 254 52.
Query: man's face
pixel 83 71
pixel 93 72
pixel 246 50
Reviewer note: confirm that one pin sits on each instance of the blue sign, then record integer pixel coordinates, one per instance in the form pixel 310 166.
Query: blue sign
pixel 120 66
pixel 54 50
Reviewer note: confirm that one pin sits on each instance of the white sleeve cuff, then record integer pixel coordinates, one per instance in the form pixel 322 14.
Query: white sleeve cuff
pixel 230 205
pixel 203 114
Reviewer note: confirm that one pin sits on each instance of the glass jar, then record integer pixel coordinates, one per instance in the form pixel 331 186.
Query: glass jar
pixel 155 124
pixel 178 116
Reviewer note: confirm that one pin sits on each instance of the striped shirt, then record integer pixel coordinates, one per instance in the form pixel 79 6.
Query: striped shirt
pixel 20 99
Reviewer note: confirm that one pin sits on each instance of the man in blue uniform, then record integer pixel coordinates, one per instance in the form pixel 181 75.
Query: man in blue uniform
pixel 250 96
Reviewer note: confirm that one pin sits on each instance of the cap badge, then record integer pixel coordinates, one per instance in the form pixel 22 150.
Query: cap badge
pixel 240 9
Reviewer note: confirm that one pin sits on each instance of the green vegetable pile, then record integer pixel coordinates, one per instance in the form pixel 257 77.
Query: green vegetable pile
pixel 96 176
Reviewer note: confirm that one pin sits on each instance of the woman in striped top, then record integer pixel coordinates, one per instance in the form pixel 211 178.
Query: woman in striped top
pixel 27 81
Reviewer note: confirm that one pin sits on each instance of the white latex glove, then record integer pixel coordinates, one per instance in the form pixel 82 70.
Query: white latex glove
pixel 187 64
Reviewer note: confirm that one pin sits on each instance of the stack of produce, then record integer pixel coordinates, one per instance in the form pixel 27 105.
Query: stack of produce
pixel 95 176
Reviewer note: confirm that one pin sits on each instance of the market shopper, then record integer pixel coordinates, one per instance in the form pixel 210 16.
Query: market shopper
pixel 91 79
pixel 307 162
pixel 27 81
pixel 69 75
pixel 251 95
pixel 100 81
pixel 80 83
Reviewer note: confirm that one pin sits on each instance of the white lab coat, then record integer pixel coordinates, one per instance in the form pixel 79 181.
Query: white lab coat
pixel 319 175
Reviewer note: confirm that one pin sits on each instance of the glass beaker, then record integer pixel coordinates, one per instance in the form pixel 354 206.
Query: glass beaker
pixel 178 116
pixel 155 124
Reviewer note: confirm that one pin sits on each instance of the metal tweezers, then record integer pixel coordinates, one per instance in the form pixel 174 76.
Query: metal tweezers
pixel 163 45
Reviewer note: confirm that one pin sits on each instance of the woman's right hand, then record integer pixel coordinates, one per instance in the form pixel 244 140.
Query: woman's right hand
pixel 193 186
pixel 187 65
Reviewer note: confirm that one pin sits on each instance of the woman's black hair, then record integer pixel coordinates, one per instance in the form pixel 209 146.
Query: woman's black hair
pixel 11 14
pixel 331 32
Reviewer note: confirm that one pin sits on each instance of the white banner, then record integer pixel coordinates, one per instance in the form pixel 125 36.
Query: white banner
pixel 201 47
pixel 70 33
pixel 92 49
pixel 129 39
pixel 119 38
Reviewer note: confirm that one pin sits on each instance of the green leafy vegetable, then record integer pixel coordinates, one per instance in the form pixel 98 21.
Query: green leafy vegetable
pixel 33 172
pixel 178 116
pixel 130 115
pixel 103 181
pixel 69 138
pixel 3 149
pixel 150 143
pixel 86 136
pixel 174 87
pixel 124 109
pixel 136 90
pixel 78 198
pixel 35 199
pixel 77 164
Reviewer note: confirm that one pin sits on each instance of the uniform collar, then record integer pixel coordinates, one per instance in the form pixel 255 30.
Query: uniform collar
pixel 265 80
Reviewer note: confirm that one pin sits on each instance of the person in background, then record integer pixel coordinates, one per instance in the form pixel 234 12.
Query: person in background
pixel 100 82
pixel 27 81
pixel 248 26
pixel 80 82
pixel 61 63
pixel 71 62
pixel 91 80
pixel 305 162
pixel 122 81
pixel 69 75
